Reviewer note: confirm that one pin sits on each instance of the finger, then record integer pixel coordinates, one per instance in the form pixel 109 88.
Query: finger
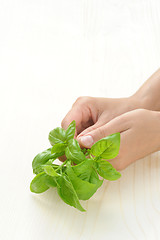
pixel 102 120
pixel 82 117
pixel 83 125
pixel 90 128
pixel 118 124
pixel 73 114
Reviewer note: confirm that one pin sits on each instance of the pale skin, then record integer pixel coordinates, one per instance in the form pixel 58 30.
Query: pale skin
pixel 137 118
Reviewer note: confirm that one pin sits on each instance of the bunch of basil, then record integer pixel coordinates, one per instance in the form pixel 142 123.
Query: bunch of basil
pixel 77 177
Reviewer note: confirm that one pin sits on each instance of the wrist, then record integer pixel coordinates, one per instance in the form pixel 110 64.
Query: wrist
pixel 134 103
pixel 143 101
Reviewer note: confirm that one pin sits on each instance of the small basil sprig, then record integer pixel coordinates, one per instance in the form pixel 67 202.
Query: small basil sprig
pixel 77 177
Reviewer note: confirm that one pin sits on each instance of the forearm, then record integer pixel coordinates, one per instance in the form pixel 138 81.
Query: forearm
pixel 148 95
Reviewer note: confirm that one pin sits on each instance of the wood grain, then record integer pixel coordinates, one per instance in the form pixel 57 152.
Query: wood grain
pixel 52 52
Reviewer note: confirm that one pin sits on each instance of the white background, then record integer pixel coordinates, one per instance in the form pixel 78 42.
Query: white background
pixel 52 52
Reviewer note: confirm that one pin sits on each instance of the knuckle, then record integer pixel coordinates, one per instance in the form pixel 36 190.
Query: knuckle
pixel 123 118
pixel 80 98
pixel 83 99
pixel 141 110
pixel 77 101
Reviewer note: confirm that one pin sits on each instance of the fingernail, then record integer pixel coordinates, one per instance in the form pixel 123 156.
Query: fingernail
pixel 87 141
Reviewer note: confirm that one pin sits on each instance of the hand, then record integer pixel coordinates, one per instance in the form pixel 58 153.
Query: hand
pixel 91 113
pixel 140 135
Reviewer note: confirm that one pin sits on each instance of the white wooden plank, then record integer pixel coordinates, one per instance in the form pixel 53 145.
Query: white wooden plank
pixel 52 52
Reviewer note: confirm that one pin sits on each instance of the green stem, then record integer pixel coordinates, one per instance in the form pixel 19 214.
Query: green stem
pixel 97 158
pixel 91 156
pixel 60 167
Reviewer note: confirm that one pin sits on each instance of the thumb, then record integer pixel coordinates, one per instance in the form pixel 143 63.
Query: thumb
pixel 118 124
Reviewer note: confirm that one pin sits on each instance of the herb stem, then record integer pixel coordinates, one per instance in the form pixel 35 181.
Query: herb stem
pixel 60 167
pixel 91 156
pixel 97 158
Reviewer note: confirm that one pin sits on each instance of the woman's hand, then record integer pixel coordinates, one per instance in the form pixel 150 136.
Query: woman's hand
pixel 140 135
pixel 99 117
pixel 91 113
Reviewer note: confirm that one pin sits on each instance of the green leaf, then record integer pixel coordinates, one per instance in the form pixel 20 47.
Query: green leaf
pixel 107 147
pixel 41 167
pixel 84 189
pixel 80 181
pixel 73 151
pixel 67 193
pixel 50 171
pixel 57 135
pixel 107 171
pixel 43 158
pixel 83 170
pixel 86 171
pixel 94 178
pixel 70 132
pixel 41 183
pixel 58 147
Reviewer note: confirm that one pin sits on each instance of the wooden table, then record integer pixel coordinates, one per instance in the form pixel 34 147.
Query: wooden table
pixel 52 52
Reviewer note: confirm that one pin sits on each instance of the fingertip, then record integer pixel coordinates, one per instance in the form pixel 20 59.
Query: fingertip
pixel 79 141
pixel 86 141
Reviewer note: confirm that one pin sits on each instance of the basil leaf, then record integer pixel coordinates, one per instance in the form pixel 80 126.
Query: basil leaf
pixel 86 171
pixel 67 193
pixel 83 170
pixel 94 178
pixel 107 171
pixel 73 151
pixel 41 167
pixel 70 132
pixel 41 183
pixel 58 147
pixel 84 189
pixel 107 147
pixel 50 171
pixel 42 158
pixel 57 135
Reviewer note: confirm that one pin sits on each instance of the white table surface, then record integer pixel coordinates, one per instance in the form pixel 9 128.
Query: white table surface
pixel 52 52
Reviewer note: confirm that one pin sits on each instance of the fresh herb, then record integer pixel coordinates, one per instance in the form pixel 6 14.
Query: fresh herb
pixel 77 177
